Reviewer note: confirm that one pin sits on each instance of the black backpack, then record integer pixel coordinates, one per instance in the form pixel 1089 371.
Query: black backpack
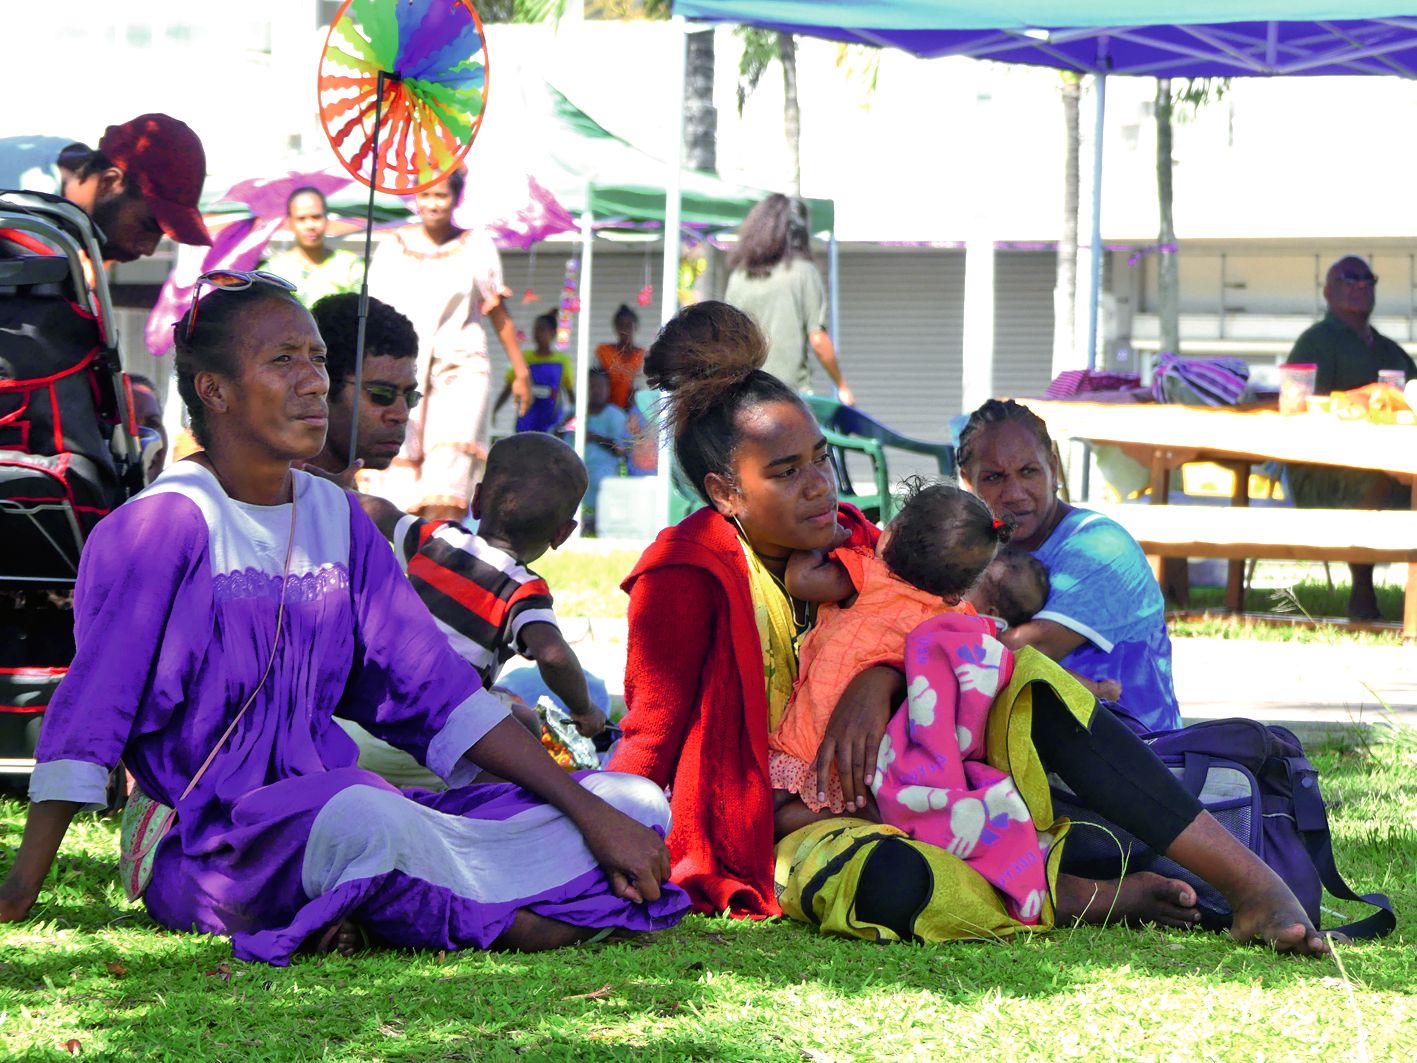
pixel 1258 782
pixel 68 447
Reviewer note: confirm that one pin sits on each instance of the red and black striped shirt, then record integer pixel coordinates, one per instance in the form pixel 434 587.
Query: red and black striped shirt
pixel 481 597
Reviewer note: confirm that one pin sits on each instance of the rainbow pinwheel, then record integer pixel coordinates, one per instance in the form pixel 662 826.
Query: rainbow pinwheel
pixel 402 87
pixel 403 84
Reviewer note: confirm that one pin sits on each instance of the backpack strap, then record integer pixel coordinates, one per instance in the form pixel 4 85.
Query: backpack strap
pixel 1311 818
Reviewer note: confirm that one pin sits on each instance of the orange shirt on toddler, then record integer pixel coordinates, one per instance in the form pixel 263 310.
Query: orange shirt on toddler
pixel 842 645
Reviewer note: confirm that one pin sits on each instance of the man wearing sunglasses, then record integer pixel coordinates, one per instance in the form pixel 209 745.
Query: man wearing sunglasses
pixel 1347 352
pixel 389 385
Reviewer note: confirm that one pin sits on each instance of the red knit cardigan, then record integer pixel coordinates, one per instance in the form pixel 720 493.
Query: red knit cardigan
pixel 697 719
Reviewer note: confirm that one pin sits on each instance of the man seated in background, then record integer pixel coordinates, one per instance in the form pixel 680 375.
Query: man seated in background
pixel 1347 352
pixel 388 390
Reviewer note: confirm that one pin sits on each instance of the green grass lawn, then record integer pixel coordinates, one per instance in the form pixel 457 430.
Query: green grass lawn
pixel 89 974
pixel 588 584
pixel 1310 596
pixel 584 583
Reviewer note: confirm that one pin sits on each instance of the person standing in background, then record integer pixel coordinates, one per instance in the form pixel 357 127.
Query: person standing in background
pixel 552 374
pixel 622 360
pixel 448 282
pixel 314 269
pixel 775 282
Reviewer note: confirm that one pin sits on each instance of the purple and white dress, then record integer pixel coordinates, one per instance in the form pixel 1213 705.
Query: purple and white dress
pixel 175 618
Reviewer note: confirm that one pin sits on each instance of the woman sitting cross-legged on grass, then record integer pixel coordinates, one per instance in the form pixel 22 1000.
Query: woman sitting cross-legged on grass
pixel 712 665
pixel 234 581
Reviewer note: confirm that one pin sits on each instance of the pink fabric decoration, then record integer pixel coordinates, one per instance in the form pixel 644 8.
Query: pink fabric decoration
pixel 236 246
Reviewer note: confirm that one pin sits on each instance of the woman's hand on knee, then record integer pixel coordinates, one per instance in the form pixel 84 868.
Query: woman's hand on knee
pixel 853 736
pixel 633 857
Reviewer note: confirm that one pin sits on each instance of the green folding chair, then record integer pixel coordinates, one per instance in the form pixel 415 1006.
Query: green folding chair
pixel 848 429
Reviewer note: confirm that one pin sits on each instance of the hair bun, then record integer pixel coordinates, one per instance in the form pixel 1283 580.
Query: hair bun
pixel 702 356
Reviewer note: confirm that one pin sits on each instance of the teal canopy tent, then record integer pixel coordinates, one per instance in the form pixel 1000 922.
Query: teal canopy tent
pixel 1156 38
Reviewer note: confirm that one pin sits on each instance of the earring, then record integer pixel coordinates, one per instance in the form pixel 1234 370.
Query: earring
pixel 734 518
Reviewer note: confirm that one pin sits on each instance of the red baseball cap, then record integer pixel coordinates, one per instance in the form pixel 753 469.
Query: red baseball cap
pixel 166 160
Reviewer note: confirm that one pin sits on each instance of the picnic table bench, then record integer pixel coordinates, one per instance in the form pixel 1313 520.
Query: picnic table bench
pixel 1278 533
pixel 1165 437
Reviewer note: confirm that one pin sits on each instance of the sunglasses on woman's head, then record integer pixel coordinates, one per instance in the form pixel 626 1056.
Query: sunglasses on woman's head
pixel 230 280
pixel 388 394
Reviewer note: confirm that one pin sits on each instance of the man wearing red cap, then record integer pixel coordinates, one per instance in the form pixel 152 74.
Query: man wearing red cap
pixel 143 181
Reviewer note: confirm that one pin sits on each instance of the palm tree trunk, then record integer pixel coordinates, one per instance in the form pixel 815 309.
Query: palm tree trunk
pixel 1168 275
pixel 791 113
pixel 700 115
pixel 1065 287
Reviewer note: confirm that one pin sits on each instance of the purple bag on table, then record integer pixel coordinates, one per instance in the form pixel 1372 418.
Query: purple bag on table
pixel 1256 780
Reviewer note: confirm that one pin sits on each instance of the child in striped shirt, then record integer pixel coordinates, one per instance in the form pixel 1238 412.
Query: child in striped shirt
pixel 477 584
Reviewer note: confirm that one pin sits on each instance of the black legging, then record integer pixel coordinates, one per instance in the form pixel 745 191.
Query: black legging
pixel 1110 769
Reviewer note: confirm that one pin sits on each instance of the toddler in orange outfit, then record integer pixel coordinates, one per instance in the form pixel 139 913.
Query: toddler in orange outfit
pixel 930 555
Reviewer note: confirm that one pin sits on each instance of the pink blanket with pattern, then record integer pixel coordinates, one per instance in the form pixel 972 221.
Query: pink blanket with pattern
pixel 931 777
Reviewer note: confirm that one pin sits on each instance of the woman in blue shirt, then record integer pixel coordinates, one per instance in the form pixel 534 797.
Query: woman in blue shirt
pixel 1105 615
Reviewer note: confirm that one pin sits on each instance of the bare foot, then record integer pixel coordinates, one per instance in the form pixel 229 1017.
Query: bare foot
pixel 344 938
pixel 1143 897
pixel 1274 916
pixel 530 932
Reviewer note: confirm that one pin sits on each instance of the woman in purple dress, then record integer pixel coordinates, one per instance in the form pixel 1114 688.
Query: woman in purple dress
pixel 234 577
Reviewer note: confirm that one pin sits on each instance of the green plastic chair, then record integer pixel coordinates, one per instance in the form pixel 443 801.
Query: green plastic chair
pixel 848 429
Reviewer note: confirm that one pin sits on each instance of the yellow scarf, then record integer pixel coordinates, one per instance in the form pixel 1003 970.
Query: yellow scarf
pixel 778 631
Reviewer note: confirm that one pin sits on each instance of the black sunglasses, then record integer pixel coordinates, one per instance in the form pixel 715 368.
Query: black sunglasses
pixel 387 395
pixel 1358 278
pixel 230 280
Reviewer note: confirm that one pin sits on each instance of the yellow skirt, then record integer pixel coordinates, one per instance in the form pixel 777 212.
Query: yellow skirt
pixel 819 867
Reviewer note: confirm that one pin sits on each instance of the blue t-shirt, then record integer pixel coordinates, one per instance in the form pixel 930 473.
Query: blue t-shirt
pixel 1102 588
pixel 601 461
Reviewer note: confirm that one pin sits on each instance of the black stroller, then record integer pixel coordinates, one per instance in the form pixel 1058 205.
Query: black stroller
pixel 69 447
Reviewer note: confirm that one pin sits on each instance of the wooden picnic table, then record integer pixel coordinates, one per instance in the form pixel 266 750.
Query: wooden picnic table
pixel 1164 437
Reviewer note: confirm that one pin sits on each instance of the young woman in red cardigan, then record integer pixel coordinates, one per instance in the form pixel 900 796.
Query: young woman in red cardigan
pixel 712 660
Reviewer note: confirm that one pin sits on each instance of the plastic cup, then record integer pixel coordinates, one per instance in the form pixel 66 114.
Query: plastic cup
pixel 1394 377
pixel 1296 384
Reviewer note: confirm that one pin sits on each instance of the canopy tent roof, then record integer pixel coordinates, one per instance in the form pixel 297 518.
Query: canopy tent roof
pixel 1155 38
pixel 589 168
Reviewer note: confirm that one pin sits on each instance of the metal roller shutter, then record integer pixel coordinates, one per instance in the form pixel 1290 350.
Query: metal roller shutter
pixel 901 340
pixel 1023 321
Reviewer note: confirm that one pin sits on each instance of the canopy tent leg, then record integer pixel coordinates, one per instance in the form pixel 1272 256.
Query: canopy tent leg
pixel 977 363
pixel 1096 260
pixel 1095 281
pixel 583 334
pixel 669 276
pixel 834 283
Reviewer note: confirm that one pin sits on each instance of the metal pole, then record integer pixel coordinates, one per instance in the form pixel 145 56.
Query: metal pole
pixel 834 280
pixel 1096 279
pixel 1095 282
pixel 583 329
pixel 669 274
pixel 364 283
